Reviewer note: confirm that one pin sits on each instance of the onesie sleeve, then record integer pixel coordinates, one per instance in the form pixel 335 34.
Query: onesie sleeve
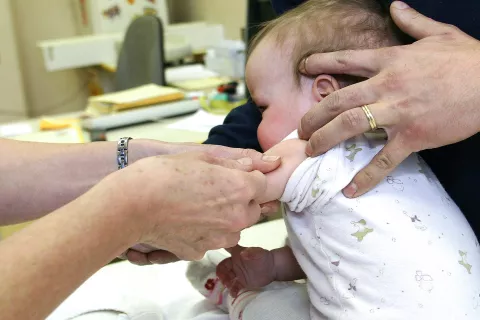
pixel 314 182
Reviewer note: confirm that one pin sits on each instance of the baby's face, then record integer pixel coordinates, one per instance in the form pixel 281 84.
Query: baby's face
pixel 270 80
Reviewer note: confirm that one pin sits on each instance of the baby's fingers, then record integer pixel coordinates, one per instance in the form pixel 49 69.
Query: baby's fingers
pixel 225 272
pixel 235 288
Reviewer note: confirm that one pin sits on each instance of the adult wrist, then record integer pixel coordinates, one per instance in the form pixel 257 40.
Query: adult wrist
pixel 134 206
pixel 107 205
pixel 144 148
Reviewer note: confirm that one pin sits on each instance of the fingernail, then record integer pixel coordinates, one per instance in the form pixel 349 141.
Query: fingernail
pixel 270 158
pixel 309 150
pixel 245 161
pixel 400 5
pixel 301 67
pixel 350 190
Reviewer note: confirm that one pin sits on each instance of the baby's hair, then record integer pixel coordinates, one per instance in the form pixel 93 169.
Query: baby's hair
pixel 330 25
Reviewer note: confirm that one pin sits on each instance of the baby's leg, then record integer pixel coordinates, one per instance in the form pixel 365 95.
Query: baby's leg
pixel 277 301
pixel 290 302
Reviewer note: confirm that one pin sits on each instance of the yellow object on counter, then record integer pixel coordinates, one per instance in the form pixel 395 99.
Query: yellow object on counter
pixel 219 106
pixel 132 98
pixel 56 124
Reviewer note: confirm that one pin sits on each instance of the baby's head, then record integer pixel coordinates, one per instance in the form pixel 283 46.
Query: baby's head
pixel 281 92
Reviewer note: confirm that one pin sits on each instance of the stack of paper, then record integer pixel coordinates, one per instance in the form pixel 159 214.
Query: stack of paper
pixel 201 121
pixel 194 77
pixel 132 98
pixel 188 72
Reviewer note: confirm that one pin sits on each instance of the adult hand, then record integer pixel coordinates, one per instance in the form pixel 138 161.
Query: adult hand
pixel 144 254
pixel 425 95
pixel 193 203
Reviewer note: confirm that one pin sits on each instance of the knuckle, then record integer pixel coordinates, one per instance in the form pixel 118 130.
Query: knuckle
pixel 401 110
pixel 450 32
pixel 343 58
pixel 317 141
pixel 351 119
pixel 207 157
pixel 238 222
pixel 365 178
pixel 402 105
pixel 391 81
pixel 242 189
pixel 412 135
pixel 332 103
pixel 352 97
pixel 383 162
pixel 202 155
pixel 451 29
pixel 249 153
pixel 390 53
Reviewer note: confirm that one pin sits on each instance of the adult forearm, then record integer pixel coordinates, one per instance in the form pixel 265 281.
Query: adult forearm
pixel 37 178
pixel 45 262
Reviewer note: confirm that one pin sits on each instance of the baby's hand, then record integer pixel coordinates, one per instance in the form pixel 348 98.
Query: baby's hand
pixel 248 268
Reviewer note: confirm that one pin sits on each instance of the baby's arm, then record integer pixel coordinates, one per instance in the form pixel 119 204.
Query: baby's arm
pixel 286 265
pixel 293 154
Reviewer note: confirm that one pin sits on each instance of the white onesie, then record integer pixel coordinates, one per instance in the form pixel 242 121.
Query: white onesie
pixel 401 251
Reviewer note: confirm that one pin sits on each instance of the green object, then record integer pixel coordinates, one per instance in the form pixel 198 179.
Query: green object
pixel 220 106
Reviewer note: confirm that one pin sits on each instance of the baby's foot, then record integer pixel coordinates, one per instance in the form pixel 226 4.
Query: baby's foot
pixel 203 278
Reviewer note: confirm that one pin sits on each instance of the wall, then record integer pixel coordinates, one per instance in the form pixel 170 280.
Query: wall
pixel 231 13
pixel 12 105
pixel 53 92
pixel 47 92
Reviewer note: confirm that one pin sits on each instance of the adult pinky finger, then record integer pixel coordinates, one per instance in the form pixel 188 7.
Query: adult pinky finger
pixel 381 165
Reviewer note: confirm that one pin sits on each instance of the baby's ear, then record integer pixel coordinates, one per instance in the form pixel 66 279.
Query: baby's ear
pixel 323 86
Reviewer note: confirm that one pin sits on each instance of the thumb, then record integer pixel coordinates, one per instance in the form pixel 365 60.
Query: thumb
pixel 415 24
pixel 260 162
pixel 161 257
pixel 253 253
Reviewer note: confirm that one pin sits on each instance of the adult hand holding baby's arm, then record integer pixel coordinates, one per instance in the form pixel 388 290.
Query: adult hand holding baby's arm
pixel 144 254
pixel 425 95
pixel 292 154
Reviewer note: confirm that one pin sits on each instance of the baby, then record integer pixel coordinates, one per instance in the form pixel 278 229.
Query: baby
pixel 402 251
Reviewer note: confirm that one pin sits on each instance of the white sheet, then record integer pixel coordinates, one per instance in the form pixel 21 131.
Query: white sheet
pixel 164 286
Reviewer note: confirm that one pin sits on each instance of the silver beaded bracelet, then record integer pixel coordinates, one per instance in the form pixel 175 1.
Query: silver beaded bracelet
pixel 122 152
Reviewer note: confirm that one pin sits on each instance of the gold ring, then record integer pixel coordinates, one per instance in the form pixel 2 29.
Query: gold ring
pixel 371 119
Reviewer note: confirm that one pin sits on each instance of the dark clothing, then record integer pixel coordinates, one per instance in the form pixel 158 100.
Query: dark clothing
pixel 456 166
